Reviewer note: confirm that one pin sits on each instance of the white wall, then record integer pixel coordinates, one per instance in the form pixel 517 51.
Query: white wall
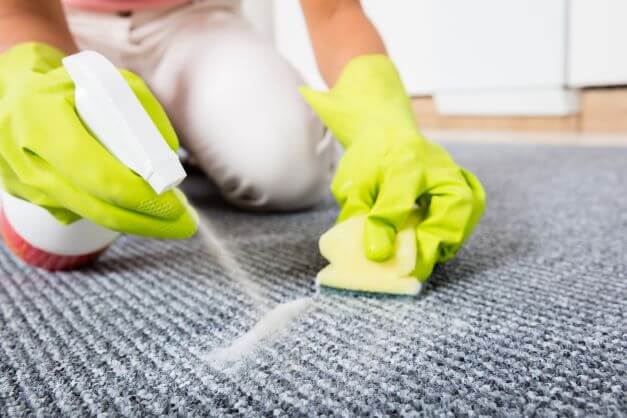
pixel 493 44
pixel 598 42
pixel 405 27
pixel 501 57
pixel 292 40
pixel 509 57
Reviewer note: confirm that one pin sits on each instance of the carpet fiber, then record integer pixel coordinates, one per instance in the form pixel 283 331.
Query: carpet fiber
pixel 530 318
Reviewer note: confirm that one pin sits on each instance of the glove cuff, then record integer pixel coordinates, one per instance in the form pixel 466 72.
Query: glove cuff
pixel 371 76
pixel 30 56
pixel 368 99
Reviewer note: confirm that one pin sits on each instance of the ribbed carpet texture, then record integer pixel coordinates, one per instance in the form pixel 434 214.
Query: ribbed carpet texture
pixel 529 319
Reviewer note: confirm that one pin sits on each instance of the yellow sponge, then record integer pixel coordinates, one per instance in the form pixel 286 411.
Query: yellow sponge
pixel 343 247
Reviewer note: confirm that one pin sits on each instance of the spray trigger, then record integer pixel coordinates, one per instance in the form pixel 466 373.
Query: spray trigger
pixel 110 109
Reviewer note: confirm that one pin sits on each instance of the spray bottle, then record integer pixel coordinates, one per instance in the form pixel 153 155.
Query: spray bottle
pixel 114 115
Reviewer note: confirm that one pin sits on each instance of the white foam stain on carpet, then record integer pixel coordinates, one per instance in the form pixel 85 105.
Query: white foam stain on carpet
pixel 270 324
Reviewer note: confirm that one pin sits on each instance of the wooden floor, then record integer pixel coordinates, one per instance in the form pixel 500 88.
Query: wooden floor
pixel 585 139
pixel 602 111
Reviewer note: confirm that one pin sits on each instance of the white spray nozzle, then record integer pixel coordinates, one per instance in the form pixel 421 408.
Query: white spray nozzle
pixel 110 109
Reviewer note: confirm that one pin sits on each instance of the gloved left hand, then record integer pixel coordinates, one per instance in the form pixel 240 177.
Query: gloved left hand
pixel 48 157
pixel 389 167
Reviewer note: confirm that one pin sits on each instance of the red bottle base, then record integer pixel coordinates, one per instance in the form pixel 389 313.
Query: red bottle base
pixel 40 258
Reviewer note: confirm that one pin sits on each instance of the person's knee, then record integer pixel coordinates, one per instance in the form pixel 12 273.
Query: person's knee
pixel 252 131
pixel 275 155
pixel 292 175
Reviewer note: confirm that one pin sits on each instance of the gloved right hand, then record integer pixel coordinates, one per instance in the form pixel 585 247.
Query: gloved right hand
pixel 389 167
pixel 48 157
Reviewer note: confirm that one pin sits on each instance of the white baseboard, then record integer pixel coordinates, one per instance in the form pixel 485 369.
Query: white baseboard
pixel 528 102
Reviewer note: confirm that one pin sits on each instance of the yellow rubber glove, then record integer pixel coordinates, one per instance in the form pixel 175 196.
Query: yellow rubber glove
pixel 389 167
pixel 49 158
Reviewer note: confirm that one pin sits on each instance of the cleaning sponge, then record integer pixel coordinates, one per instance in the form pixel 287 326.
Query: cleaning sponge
pixel 343 247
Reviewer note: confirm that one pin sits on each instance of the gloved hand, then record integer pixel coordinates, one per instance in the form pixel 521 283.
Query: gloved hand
pixel 389 167
pixel 48 157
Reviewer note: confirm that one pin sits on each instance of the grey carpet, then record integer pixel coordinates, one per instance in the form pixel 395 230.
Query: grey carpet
pixel 529 319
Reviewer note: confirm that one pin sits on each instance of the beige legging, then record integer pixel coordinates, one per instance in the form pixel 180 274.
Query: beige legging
pixel 233 100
